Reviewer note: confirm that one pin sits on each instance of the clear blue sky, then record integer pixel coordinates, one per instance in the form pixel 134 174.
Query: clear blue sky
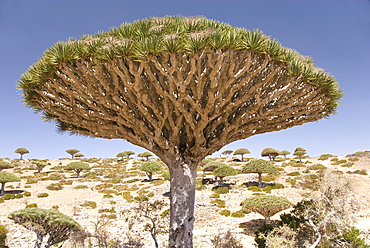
pixel 335 33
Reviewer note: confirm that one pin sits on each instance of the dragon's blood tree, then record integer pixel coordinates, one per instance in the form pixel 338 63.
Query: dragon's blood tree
pixel 181 87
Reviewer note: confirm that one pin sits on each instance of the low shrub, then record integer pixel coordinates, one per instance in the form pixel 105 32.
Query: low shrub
pixel 220 203
pixel 360 172
pixel 225 212
pixel 295 173
pixel 42 195
pixel 90 204
pixel 215 195
pixel 108 216
pixel 55 186
pixel 107 210
pixel 82 186
pixel 270 177
pixel 220 190
pixel 8 197
pixel 238 214
pixel 141 198
pixel 19 196
pixel 27 194
pixel 348 164
pixel 127 196
pixel 3 232
pixel 317 167
pixel 32 205
pixel 107 196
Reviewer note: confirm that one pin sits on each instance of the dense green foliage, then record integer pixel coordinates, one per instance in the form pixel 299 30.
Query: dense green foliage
pixel 5 165
pixel 57 226
pixel 77 167
pixel 149 167
pixel 7 177
pixel 224 171
pixel 260 166
pixel 266 205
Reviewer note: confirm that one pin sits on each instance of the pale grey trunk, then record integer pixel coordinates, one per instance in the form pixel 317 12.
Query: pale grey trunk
pixel 2 188
pixel 39 241
pixel 182 201
pixel 260 180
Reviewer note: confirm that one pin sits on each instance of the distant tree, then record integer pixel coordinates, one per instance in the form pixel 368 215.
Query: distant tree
pixel 7 177
pixel 77 167
pixel 223 171
pixel 79 155
pixel 300 153
pixel 150 167
pixel 211 166
pixel 145 155
pixel 50 224
pixel 271 153
pixel 72 152
pixel 227 153
pixel 5 165
pixel 266 205
pixel 121 155
pixel 284 153
pixel 21 151
pixel 242 152
pixel 129 153
pixel 40 164
pixel 260 166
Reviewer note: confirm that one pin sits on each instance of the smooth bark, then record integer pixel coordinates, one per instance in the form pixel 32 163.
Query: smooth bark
pixel 260 180
pixel 182 201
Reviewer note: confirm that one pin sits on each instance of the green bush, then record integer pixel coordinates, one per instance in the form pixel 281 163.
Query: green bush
pixel 317 167
pixel 238 214
pixel 18 196
pixel 90 204
pixel 127 196
pixel 220 203
pixel 141 198
pixel 1 200
pixel 215 195
pixel 225 212
pixel 220 190
pixel 54 186
pixel 108 216
pixel 42 195
pixel 54 177
pixel 295 173
pixel 27 194
pixel 32 205
pixel 8 196
pixel 32 180
pixel 360 172
pixel 3 232
pixel 349 164
pixel 107 196
pixel 107 210
pixel 81 187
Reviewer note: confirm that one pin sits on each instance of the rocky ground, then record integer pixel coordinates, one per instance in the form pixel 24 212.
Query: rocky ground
pixel 101 186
